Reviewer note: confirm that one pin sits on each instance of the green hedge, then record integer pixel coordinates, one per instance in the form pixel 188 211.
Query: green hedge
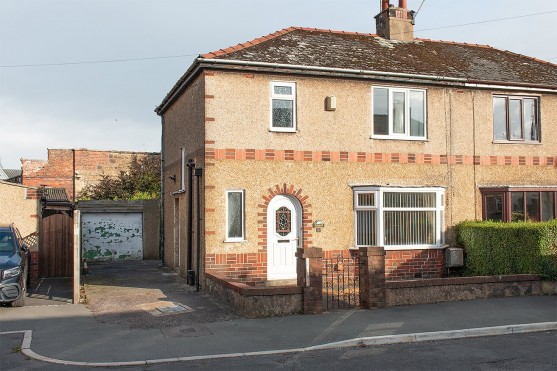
pixel 494 248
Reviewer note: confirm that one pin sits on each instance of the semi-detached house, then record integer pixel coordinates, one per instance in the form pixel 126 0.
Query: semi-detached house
pixel 309 137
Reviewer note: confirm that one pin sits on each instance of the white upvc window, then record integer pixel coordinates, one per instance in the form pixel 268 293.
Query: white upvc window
pixel 399 218
pixel 235 215
pixel 399 113
pixel 283 106
pixel 183 170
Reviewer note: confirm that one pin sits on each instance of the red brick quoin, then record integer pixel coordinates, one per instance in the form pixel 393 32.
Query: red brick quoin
pixel 251 268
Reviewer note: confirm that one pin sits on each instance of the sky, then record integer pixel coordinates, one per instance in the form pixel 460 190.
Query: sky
pixel 63 83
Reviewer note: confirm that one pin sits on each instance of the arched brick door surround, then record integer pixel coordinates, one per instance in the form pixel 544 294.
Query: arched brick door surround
pixel 307 236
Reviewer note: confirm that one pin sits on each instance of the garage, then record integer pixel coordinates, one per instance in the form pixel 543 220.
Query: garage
pixel 112 236
pixel 119 230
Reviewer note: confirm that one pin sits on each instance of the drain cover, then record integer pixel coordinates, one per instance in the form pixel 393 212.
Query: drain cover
pixel 177 308
pixel 165 308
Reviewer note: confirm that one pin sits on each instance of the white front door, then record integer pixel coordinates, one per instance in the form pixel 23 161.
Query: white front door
pixel 283 237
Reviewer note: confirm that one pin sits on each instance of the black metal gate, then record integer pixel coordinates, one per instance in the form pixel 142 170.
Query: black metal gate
pixel 341 282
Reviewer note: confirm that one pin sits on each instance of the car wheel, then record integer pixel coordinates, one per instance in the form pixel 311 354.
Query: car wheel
pixel 20 302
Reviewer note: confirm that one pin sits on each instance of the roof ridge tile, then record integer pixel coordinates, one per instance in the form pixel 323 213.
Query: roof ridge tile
pixel 249 43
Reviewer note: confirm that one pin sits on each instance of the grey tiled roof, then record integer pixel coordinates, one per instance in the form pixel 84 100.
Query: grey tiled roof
pixel 55 194
pixel 309 47
pixel 9 173
pixel 368 52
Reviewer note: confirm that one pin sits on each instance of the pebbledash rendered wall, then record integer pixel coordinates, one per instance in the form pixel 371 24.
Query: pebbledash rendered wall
pixel 90 166
pixel 183 127
pixel 20 205
pixel 332 151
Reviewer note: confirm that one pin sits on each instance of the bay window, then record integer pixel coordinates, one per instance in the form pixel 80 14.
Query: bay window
pixel 512 204
pixel 399 217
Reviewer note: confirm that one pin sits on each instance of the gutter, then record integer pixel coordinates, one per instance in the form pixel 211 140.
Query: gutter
pixel 200 63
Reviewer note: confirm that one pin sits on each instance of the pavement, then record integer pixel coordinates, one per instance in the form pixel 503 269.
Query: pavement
pixel 74 335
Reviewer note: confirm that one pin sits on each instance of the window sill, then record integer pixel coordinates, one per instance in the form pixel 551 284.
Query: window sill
pixel 516 142
pixel 399 139
pixel 179 192
pixel 423 247
pixel 282 131
pixel 235 241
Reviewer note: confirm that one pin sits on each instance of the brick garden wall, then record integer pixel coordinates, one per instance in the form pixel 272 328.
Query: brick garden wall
pixel 90 166
pixel 251 268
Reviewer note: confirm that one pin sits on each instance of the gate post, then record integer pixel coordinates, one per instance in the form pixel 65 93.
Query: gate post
pixel 372 277
pixel 309 270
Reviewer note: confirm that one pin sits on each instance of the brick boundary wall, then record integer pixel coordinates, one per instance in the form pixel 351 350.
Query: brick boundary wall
pixel 463 288
pixel 254 302
pixel 371 157
pixel 251 268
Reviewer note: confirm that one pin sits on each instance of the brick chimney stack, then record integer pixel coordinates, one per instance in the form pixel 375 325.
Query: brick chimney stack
pixel 395 23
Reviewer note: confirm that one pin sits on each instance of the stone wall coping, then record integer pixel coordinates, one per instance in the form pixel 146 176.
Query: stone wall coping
pixel 247 290
pixel 461 281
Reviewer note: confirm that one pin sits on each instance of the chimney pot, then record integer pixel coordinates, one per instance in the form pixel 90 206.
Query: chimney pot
pixel 402 4
pixel 384 5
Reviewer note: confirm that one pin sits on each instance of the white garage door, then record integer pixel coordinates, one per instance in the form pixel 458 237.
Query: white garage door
pixel 112 236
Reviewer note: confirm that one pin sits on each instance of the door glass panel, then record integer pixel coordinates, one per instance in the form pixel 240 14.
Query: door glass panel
pixel 533 206
pixel 494 207
pixel 548 206
pixel 283 221
pixel 517 206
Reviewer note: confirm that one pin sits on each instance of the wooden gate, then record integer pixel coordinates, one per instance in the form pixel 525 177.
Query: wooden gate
pixel 56 244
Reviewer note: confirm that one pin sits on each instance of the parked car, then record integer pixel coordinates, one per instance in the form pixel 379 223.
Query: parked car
pixel 14 266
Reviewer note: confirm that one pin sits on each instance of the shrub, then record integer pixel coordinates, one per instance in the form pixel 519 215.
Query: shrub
pixel 494 248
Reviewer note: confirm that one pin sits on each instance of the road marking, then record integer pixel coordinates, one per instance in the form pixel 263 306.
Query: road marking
pixel 358 342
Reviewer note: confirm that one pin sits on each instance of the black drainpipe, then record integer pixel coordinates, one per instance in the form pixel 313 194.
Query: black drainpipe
pixel 198 173
pixel 190 272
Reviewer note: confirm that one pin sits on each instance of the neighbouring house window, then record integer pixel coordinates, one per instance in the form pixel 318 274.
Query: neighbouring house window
pixel 399 113
pixel 283 106
pixel 183 170
pixel 519 204
pixel 515 119
pixel 235 215
pixel 399 217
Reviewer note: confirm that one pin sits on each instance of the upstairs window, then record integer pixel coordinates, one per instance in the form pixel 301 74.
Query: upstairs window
pixel 283 106
pixel 515 119
pixel 399 113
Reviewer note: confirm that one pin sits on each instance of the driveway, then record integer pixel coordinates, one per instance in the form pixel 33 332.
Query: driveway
pixel 144 294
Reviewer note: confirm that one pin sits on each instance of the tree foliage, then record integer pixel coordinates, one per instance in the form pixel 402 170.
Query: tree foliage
pixel 142 181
